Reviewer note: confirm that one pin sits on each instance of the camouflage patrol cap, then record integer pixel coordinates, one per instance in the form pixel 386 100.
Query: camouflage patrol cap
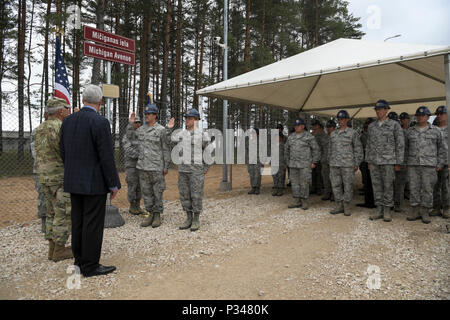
pixel 55 103
pixel 137 119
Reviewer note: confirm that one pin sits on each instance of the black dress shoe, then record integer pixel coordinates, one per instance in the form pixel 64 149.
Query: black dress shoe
pixel 100 271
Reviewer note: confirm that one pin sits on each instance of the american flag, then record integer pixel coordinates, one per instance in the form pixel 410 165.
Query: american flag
pixel 62 87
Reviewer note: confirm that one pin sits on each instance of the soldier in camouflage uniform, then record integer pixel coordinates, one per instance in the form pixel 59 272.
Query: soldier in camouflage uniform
pixel 41 214
pixel 440 194
pixel 401 176
pixel 191 175
pixel 51 177
pixel 153 165
pixel 325 161
pixel 131 148
pixel 384 154
pixel 346 154
pixel 302 153
pixel 279 172
pixel 426 154
pixel 254 169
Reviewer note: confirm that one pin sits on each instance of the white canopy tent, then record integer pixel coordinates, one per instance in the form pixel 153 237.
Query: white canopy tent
pixel 345 74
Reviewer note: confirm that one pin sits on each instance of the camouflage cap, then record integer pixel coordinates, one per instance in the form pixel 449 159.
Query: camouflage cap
pixel 56 102
pixel 137 119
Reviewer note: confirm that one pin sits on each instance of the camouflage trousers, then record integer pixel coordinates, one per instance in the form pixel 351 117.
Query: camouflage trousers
pixel 300 180
pixel 440 194
pixel 401 177
pixel 134 187
pixel 383 184
pixel 254 170
pixel 326 178
pixel 279 177
pixel 342 179
pixel 190 186
pixel 41 198
pixel 316 178
pixel 153 185
pixel 58 221
pixel 422 180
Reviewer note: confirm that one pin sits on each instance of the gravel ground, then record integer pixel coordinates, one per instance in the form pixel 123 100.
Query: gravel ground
pixel 327 256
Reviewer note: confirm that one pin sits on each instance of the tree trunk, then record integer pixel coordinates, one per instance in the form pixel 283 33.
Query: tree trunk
pixel 29 66
pixel 100 14
pixel 202 49
pixel 76 67
pixel 143 75
pixel 247 57
pixel 157 53
pixel 45 67
pixel 163 98
pixel 178 88
pixel 22 12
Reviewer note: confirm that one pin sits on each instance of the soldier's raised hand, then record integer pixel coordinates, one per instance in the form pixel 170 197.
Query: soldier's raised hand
pixel 76 110
pixel 171 123
pixel 133 117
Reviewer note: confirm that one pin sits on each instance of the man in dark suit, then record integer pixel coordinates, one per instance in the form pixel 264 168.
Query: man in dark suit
pixel 89 175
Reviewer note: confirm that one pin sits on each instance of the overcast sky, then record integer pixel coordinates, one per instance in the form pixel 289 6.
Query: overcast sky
pixel 418 21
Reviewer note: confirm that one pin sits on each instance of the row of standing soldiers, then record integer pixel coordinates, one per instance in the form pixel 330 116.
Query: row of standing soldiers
pixel 387 153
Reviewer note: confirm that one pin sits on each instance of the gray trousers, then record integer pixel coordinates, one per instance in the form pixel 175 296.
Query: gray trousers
pixel 440 194
pixel 300 180
pixel 254 171
pixel 279 178
pixel 153 185
pixel 401 178
pixel 134 186
pixel 422 180
pixel 342 179
pixel 326 178
pixel 383 184
pixel 191 186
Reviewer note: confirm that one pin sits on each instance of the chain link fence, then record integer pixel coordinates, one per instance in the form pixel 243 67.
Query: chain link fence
pixel 19 196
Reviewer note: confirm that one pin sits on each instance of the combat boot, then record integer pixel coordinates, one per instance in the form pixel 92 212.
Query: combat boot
pixel 445 214
pixel 195 222
pixel 339 208
pixel 397 208
pixel 156 220
pixel 296 204
pixel 347 212
pixel 414 215
pixel 280 193
pixel 425 215
pixel 134 209
pixel 257 191
pixel 62 253
pixel 43 225
pixel 387 214
pixel 275 192
pixel 305 205
pixel 148 221
pixel 378 215
pixel 187 224
pixel 253 191
pixel 435 213
pixel 51 249
pixel 138 207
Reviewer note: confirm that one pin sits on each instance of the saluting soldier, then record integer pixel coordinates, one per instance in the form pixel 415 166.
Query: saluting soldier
pixel 426 155
pixel 191 176
pixel 153 165
pixel 51 177
pixel 441 198
pixel 345 154
pixel 302 153
pixel 384 154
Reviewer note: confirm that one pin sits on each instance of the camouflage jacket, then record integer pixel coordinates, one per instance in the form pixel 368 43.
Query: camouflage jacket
pixel 345 148
pixel 444 132
pixel 301 150
pixel 425 148
pixel 385 143
pixel 154 152
pixel 198 141
pixel 33 151
pixel 49 163
pixel 323 140
pixel 281 147
pixel 130 147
